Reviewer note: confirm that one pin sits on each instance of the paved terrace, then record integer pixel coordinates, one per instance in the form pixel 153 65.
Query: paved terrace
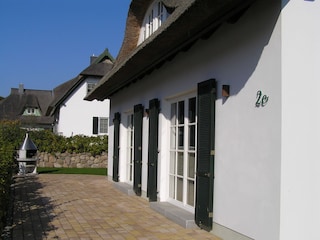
pixel 49 206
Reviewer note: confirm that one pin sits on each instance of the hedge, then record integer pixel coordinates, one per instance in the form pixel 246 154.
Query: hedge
pixel 9 137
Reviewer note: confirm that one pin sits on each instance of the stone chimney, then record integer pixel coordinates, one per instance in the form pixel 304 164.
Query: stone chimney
pixel 21 88
pixel 93 58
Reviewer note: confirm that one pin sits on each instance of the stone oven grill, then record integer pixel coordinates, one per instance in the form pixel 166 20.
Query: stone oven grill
pixel 27 157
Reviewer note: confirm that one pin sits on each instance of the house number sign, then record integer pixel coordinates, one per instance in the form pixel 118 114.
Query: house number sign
pixel 262 99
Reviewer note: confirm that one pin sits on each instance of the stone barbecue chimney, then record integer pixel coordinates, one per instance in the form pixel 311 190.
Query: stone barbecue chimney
pixel 27 157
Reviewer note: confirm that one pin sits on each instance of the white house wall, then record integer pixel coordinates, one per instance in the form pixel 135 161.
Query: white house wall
pixel 246 56
pixel 300 168
pixel 76 114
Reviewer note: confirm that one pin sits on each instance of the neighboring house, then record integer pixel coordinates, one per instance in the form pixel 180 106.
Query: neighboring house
pixel 27 106
pixel 75 116
pixel 216 112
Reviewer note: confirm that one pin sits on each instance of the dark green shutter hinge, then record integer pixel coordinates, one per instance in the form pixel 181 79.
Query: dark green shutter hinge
pixel 212 152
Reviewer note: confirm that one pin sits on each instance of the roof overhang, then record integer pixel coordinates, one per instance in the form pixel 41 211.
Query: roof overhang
pixel 195 20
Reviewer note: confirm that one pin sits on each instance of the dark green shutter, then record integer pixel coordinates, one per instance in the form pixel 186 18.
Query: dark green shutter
pixel 205 154
pixel 137 170
pixel 116 126
pixel 95 125
pixel 154 107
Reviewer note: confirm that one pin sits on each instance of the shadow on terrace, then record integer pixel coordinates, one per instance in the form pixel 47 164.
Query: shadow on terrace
pixel 32 213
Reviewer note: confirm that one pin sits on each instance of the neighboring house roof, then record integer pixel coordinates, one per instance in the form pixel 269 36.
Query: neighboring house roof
pixel 61 92
pixel 189 21
pixel 13 106
pixel 98 68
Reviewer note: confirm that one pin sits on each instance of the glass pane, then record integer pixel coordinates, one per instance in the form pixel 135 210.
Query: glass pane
pixel 173 137
pixel 131 155
pixel 181 112
pixel 180 137
pixel 180 164
pixel 173 113
pixel 104 125
pixel 191 165
pixel 131 170
pixel 192 137
pixel 192 110
pixel 171 187
pixel 131 144
pixel 190 193
pixel 179 189
pixel 173 163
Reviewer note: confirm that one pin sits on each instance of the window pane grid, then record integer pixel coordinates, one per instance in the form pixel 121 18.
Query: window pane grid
pixel 183 151
pixel 103 125
pixel 130 138
pixel 154 18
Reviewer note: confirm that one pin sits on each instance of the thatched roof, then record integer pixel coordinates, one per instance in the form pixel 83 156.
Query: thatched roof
pixel 101 65
pixel 189 21
pixel 13 106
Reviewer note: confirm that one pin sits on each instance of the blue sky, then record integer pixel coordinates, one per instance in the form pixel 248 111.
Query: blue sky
pixel 44 43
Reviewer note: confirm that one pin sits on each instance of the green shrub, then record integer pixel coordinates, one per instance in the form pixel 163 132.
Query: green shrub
pixel 10 137
pixel 46 141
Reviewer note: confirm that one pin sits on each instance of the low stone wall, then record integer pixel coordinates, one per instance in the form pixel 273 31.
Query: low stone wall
pixel 73 160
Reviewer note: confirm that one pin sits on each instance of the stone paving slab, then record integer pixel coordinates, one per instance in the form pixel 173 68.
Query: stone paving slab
pixel 49 206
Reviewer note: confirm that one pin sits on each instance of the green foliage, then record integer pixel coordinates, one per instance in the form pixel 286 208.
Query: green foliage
pixel 10 137
pixel 49 142
pixel 11 134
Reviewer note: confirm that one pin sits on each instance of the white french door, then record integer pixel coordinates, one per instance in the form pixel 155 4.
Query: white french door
pixel 130 155
pixel 183 132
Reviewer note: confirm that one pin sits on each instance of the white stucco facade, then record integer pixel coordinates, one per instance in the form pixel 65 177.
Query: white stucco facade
pixel 300 166
pixel 76 114
pixel 265 154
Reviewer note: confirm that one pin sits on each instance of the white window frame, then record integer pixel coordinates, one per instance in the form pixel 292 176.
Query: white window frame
pixel 100 127
pixel 104 126
pixel 130 147
pixel 154 18
pixel 186 150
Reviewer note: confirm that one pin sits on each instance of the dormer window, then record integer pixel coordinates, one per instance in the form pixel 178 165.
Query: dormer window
pixel 154 18
pixel 90 87
pixel 32 111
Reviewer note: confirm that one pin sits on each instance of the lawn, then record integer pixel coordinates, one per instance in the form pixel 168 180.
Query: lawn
pixel 90 171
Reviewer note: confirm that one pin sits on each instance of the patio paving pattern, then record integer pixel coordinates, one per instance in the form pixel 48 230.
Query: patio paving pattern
pixel 49 206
